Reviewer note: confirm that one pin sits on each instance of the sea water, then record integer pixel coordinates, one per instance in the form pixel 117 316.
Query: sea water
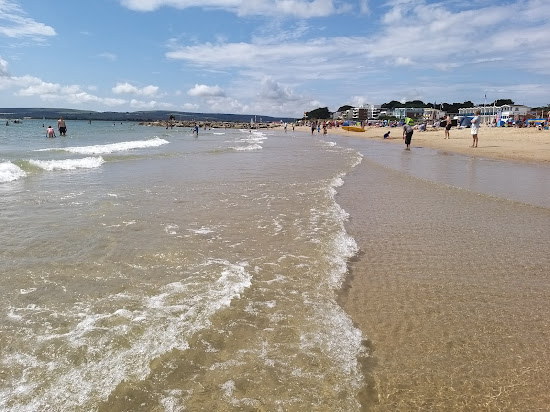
pixel 145 268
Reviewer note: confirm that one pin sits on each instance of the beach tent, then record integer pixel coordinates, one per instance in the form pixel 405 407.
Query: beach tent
pixel 408 120
pixel 466 121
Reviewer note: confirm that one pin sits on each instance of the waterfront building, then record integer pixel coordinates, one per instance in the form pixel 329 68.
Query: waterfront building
pixel 433 114
pixel 412 112
pixel 491 114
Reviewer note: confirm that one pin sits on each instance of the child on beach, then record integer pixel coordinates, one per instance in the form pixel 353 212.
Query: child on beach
pixel 50 132
pixel 387 135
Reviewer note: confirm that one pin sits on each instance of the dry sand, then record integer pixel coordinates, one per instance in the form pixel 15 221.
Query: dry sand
pixel 523 144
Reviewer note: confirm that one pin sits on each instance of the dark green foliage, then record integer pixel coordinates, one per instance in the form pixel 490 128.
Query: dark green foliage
pixel 502 102
pixel 345 108
pixel 320 113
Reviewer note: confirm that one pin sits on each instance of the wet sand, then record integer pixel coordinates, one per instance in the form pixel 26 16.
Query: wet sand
pixel 450 289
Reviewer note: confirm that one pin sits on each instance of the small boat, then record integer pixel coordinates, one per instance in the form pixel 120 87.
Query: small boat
pixel 353 128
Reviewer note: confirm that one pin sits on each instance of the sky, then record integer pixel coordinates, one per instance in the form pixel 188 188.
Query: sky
pixel 270 57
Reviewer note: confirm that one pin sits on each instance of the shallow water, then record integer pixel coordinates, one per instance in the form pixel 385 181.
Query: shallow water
pixel 145 268
pixel 148 269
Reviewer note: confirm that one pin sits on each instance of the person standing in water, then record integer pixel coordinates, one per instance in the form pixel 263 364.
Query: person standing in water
pixel 407 135
pixel 474 128
pixel 62 127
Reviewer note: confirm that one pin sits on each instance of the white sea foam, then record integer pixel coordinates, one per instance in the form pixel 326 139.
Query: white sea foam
pixel 160 323
pixel 68 164
pixel 10 172
pixel 202 231
pixel 113 147
pixel 171 229
pixel 248 148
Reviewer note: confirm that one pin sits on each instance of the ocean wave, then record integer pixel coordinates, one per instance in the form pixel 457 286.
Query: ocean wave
pixel 10 172
pixel 158 324
pixel 68 164
pixel 113 147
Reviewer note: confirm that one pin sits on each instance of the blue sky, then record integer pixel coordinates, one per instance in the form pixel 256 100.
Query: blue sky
pixel 270 57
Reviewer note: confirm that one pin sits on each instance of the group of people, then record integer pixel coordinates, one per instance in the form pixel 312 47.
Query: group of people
pixel 474 130
pixel 61 126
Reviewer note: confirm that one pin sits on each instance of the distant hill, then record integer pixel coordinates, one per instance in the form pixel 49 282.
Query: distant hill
pixel 140 116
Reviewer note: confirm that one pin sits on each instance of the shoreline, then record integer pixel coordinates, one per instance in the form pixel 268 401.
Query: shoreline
pixel 446 287
pixel 515 144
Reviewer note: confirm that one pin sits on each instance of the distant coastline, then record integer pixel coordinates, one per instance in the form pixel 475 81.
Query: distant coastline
pixel 138 116
pixel 211 124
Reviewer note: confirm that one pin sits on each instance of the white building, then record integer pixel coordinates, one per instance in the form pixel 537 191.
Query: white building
pixel 361 113
pixel 496 113
pixel 433 114
pixel 373 111
pixel 403 112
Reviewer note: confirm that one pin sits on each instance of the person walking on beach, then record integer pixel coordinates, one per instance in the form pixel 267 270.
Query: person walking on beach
pixel 407 135
pixel 62 127
pixel 447 127
pixel 475 127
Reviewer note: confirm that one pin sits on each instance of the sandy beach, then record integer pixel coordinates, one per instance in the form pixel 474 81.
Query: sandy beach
pixel 450 288
pixel 521 144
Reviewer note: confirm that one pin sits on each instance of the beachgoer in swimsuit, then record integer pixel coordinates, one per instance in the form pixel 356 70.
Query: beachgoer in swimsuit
pixel 448 127
pixel 62 127
pixel 50 132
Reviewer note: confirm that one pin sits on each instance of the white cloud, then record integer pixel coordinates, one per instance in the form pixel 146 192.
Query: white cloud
pixel 40 88
pixel 127 88
pixel 226 105
pixel 272 90
pixel 29 86
pixel 150 105
pixel 201 90
pixel 364 6
pixel 358 101
pixel 298 8
pixel 403 61
pixel 281 61
pixel 422 35
pixel 138 104
pixel 108 56
pixel 190 107
pixel 15 24
pixel 3 67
